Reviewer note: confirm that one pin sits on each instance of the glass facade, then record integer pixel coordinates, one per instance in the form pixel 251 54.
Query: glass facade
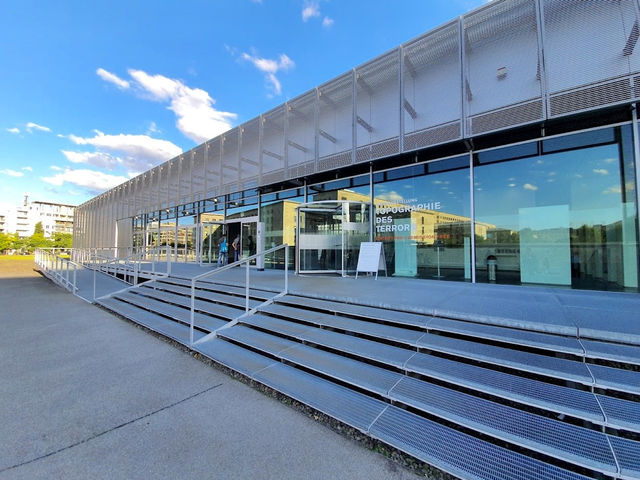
pixel 423 218
pixel 559 212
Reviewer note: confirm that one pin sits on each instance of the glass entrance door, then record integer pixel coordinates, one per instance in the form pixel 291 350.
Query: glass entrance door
pixel 244 229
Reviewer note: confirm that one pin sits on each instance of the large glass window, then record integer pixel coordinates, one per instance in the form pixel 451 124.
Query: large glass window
pixel 565 216
pixel 422 216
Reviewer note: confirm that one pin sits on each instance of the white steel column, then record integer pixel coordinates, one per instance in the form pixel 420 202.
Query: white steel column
pixel 473 218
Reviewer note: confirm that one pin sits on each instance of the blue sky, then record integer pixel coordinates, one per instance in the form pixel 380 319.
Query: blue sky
pixel 93 93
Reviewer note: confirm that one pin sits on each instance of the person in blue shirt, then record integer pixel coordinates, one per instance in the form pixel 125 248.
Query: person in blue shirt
pixel 222 254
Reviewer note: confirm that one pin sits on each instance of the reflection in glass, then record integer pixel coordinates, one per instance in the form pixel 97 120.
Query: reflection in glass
pixel 424 223
pixel 566 219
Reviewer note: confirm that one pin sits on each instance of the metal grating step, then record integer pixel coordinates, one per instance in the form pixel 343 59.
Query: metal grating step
pixel 616 378
pixel 459 454
pixel 378 352
pixel 169 328
pixel 218 287
pixel 544 341
pixel 348 406
pixel 223 311
pixel 586 448
pixel 614 352
pixel 181 314
pixel 379 330
pixel 291 329
pixel 513 336
pixel 529 362
pixel 623 414
pixel 236 358
pixel 358 346
pixel 394 316
pixel 255 339
pixel 350 371
pixel 217 297
pixel 628 455
pixel 539 394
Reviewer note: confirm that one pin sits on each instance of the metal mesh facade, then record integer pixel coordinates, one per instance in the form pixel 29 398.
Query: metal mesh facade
pixel 506 64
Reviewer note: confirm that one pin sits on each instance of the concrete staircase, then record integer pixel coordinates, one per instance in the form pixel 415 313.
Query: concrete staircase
pixel 478 401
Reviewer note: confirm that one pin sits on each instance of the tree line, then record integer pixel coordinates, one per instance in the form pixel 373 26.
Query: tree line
pixel 12 242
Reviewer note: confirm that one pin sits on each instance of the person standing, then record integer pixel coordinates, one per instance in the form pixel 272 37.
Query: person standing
pixel 236 248
pixel 222 253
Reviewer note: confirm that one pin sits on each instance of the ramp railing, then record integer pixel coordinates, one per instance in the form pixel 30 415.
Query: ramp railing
pixel 246 261
pixel 62 271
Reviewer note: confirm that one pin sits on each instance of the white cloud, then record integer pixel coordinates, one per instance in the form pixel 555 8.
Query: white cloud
pixel 11 173
pixel 96 159
pixel 610 160
pixel 56 168
pixel 153 128
pixel 193 107
pixel 27 169
pixel 270 67
pixel 34 126
pixel 512 185
pixel 137 152
pixel 112 78
pixel 601 171
pixel 327 22
pixel 13 130
pixel 95 182
pixel 391 197
pixel 615 190
pixel 309 10
pixel 528 186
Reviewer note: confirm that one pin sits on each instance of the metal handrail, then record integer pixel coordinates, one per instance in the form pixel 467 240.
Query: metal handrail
pixel 54 265
pixel 246 261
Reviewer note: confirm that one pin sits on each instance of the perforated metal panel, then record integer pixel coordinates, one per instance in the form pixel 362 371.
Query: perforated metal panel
pixel 431 88
pixel 250 150
pixel 172 181
pixel 184 195
pixel 273 145
pixel 335 123
pixel 301 135
pixel 503 83
pixel 212 167
pixel 590 52
pixel 230 160
pixel 198 173
pixel 378 107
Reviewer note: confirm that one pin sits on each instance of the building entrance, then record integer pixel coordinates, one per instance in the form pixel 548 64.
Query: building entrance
pixel 329 236
pixel 244 229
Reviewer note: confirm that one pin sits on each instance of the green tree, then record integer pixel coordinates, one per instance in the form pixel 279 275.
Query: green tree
pixel 39 229
pixel 6 242
pixel 62 240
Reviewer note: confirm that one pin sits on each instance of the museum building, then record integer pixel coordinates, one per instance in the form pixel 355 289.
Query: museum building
pixel 501 147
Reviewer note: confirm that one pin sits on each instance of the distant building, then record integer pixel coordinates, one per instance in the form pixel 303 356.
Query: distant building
pixel 22 219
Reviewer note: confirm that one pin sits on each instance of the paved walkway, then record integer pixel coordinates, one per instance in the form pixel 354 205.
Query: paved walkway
pixel 87 395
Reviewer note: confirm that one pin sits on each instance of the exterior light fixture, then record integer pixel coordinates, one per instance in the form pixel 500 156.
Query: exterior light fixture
pixel 501 73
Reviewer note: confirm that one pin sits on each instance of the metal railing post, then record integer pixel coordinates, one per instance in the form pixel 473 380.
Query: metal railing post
pixel 193 308
pixel 94 284
pixel 286 269
pixel 246 280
